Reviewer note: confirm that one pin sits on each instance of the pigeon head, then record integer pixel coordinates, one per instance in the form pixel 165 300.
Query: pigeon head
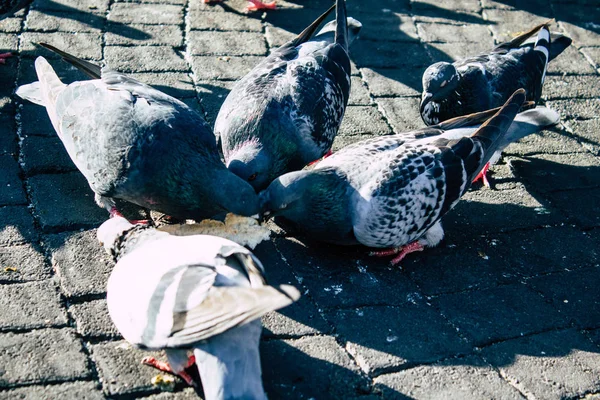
pixel 286 194
pixel 111 230
pixel 234 194
pixel 438 80
pixel 254 164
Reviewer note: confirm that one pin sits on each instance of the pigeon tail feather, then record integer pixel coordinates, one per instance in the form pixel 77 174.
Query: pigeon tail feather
pixel 307 33
pixel 90 69
pixel 31 92
pixel 50 87
pixel 341 28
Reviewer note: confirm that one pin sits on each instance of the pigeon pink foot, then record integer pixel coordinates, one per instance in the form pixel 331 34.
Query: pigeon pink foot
pixel 483 175
pixel 116 213
pixel 4 56
pixel 211 1
pixel 329 152
pixel 400 252
pixel 165 367
pixel 256 5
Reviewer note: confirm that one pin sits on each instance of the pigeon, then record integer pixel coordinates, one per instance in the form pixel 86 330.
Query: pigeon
pixel 196 294
pixel 389 192
pixel 286 112
pixel 135 143
pixel 485 81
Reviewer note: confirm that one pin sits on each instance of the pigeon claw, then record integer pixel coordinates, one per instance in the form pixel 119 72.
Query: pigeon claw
pixel 256 5
pixel 483 175
pixel 4 56
pixel 165 367
pixel 399 252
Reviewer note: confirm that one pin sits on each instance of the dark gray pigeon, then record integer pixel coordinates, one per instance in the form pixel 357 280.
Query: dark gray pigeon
pixel 135 143
pixel 390 191
pixel 485 81
pixel 195 294
pixel 286 112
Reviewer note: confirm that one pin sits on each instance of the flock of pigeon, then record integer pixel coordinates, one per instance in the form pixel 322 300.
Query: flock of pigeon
pixel 201 297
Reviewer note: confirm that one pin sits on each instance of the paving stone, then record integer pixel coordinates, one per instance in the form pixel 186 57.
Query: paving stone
pixel 455 33
pixel 144 59
pixel 588 132
pixel 202 20
pixel 42 21
pixel 44 155
pixel 576 108
pixel 226 68
pixel 56 353
pixel 346 277
pixel 554 140
pixel 93 321
pixel 573 293
pixel 515 4
pixel 11 187
pixel 80 262
pixel 393 82
pixel 88 6
pixel 212 95
pixel 439 15
pixel 131 13
pixel 277 37
pixel 8 137
pixel 470 5
pixel 11 25
pixel 226 43
pixel 16 226
pixel 402 113
pixel 583 205
pixel 450 52
pixel 488 211
pixel 298 319
pixel 35 121
pixel 507 24
pixel 570 61
pixel 490 315
pixel 580 22
pixel 320 369
pixel 138 34
pixel 28 262
pixel 551 172
pixel 66 391
pixel 389 26
pixel 85 44
pixel 383 339
pixel 9 42
pixel 390 54
pixel 551 365
pixel 593 55
pixel 64 201
pixel 571 86
pixel 457 378
pixel 359 93
pixel 176 84
pixel 120 368
pixel 383 6
pixel 233 6
pixel 363 119
pixel 31 305
pixel 185 394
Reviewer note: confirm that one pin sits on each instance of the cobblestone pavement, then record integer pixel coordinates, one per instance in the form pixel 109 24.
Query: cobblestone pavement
pixel 508 306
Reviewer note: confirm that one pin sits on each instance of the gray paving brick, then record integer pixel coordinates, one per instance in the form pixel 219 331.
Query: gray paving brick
pixel 42 21
pixel 446 16
pixel 388 26
pixel 454 51
pixel 550 365
pixel 363 119
pixel 501 313
pixel 470 5
pixel 66 391
pixel 235 5
pixel 16 226
pixel 514 4
pixel 93 321
pixel 556 140
pixel 56 353
pixel 133 13
pixel 583 205
pixel 321 369
pixel 383 339
pixel 277 36
pixel 576 108
pixel 359 93
pixel 570 61
pixel 346 277
pixel 457 378
pixel 9 42
pixel 397 6
pixel 144 59
pixel 22 263
pixel 8 137
pixel 11 187
pixel 64 201
pixel 31 305
pixel 402 113
pixel 120 368
pixel 393 82
pixel 226 68
pixel 455 33
pixel 573 293
pixel 571 86
pixel 579 21
pixel 593 55
pixel 118 34
pixel 588 133
pixel 506 24
pixel 12 25
pixel 389 54
pixel 80 262
pixel 35 121
pixel 85 44
pixel 212 95
pixel 202 20
pixel 44 155
pixel 226 43
pixel 89 6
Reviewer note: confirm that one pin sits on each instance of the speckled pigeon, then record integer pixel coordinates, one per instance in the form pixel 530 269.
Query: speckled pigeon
pixel 135 143
pixel 286 112
pixel 390 191
pixel 485 81
pixel 195 294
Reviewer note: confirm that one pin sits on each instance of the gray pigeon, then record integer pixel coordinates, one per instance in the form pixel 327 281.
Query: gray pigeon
pixel 286 112
pixel 391 191
pixel 135 143
pixel 485 81
pixel 195 294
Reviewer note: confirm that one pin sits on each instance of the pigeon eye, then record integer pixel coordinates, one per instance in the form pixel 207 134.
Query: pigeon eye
pixel 252 177
pixel 443 84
